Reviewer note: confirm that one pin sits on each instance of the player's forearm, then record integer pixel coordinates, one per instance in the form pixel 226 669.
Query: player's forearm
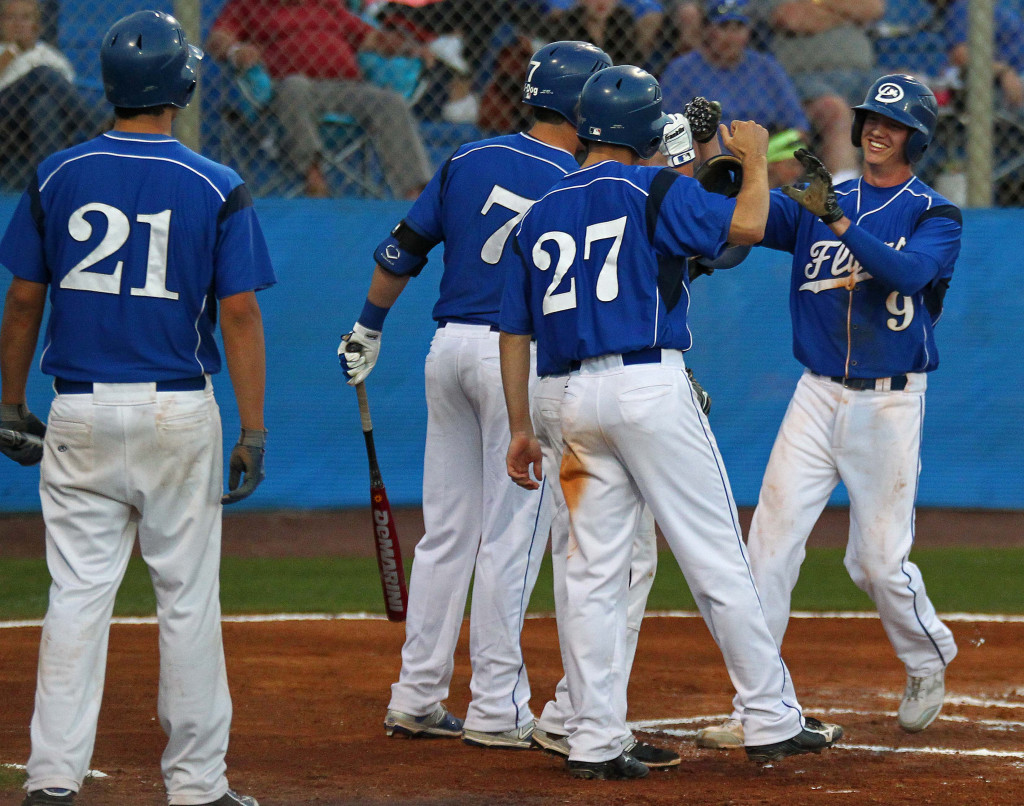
pixel 515 380
pixel 386 288
pixel 751 213
pixel 19 331
pixel 905 272
pixel 242 327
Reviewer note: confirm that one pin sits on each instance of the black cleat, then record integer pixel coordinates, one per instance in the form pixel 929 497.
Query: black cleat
pixel 49 797
pixel 616 769
pixel 815 737
pixel 657 758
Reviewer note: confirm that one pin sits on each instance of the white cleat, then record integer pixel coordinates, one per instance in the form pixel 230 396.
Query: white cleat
pixel 922 701
pixel 515 739
pixel 727 736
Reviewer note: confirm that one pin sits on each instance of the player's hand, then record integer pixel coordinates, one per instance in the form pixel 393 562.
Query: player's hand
pixel 677 142
pixel 700 394
pixel 246 458
pixel 358 352
pixel 17 417
pixel 704 117
pixel 746 139
pixel 818 197
pixel 524 453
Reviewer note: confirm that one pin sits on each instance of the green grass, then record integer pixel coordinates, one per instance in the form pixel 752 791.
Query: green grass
pixel 958 579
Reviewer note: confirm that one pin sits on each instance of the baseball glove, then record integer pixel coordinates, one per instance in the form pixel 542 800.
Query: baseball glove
pixel 704 117
pixel 818 197
pixel 722 174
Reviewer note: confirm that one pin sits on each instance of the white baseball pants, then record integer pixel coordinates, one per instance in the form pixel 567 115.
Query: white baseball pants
pixel 547 405
pixel 871 441
pixel 635 434
pixel 124 459
pixel 478 524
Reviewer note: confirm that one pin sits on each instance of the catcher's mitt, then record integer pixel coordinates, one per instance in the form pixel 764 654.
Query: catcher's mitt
pixel 722 174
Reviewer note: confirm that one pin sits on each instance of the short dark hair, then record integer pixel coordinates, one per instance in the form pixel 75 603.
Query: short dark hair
pixel 543 115
pixel 155 111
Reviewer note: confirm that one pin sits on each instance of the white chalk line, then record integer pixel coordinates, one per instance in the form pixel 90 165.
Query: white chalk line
pixel 980 618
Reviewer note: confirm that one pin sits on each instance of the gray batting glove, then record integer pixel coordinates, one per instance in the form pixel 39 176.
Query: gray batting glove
pixel 358 353
pixel 17 417
pixel 246 458
pixel 677 141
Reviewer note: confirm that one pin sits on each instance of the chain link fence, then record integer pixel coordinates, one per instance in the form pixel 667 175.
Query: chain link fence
pixel 366 99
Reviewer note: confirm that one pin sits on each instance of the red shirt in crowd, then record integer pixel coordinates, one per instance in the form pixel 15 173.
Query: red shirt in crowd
pixel 314 38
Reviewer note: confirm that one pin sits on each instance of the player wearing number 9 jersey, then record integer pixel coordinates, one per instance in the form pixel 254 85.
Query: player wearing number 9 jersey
pixel 142 244
pixel 868 280
pixel 603 288
pixel 478 524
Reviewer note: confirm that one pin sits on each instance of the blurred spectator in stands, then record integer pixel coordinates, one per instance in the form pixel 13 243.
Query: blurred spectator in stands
pixel 1008 56
pixel 749 84
pixel 41 110
pixel 501 107
pixel 627 30
pixel 310 50
pixel 825 48
pixel 783 167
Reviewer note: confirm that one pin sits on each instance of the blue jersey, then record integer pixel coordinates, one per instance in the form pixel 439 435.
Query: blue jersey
pixel 865 305
pixel 473 203
pixel 137 237
pixel 602 265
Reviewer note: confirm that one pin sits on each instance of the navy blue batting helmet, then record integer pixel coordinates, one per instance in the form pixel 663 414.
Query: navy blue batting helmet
pixel 147 61
pixel 557 73
pixel 622 106
pixel 905 100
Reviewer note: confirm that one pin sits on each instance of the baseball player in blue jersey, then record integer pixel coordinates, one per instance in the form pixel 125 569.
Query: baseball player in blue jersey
pixel 603 288
pixel 137 241
pixel 478 523
pixel 872 260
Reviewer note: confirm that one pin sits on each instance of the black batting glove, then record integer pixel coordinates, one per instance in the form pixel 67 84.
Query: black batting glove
pixel 17 417
pixel 703 398
pixel 246 458
pixel 704 117
pixel 818 197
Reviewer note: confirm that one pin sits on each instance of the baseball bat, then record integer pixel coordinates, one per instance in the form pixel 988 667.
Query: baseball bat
pixel 385 534
pixel 17 439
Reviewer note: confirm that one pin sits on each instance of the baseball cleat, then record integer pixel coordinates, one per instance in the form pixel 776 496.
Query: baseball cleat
pixel 922 701
pixel 515 739
pixel 437 724
pixel 232 798
pixel 616 769
pixel 813 738
pixel 52 796
pixel 727 736
pixel 555 743
pixel 657 758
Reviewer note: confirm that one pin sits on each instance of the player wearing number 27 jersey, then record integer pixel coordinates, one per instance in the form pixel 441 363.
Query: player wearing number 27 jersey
pixel 602 286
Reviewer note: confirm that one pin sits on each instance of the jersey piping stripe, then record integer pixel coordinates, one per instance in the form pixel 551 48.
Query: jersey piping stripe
pixel 56 170
pixel 913 533
pixel 522 593
pixel 896 195
pixel 199 337
pixel 533 139
pixel 593 182
pixel 514 150
pixel 127 138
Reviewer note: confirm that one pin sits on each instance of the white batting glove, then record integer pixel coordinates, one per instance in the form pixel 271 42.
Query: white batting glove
pixel 677 141
pixel 358 352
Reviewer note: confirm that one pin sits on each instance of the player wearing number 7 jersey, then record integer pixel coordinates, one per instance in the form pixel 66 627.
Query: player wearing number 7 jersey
pixel 478 523
pixel 603 287
pixel 140 243
pixel 871 264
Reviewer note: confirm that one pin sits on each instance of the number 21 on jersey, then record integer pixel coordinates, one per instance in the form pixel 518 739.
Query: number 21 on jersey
pixel 119 229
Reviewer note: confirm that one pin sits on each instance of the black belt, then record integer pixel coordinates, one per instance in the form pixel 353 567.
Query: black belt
pixel 897 383
pixel 649 355
pixel 65 387
pixel 453 321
